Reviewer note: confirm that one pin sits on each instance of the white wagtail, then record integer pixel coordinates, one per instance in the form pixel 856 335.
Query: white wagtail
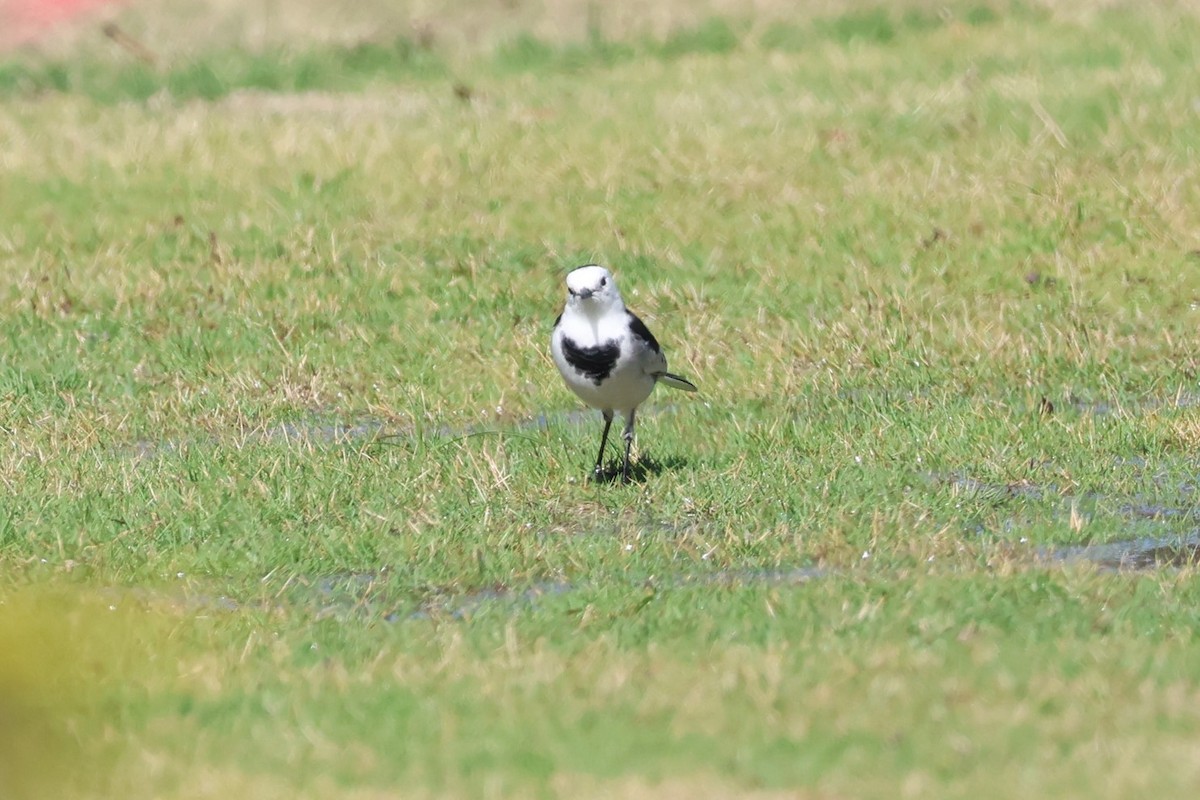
pixel 606 354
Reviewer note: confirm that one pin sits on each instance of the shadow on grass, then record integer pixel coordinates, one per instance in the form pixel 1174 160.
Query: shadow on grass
pixel 640 469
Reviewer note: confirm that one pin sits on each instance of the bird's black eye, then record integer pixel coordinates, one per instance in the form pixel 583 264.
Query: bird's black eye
pixel 604 281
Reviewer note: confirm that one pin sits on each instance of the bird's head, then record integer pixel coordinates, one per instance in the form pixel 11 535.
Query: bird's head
pixel 592 290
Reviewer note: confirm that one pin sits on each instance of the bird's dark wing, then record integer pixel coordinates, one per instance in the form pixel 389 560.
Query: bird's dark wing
pixel 639 330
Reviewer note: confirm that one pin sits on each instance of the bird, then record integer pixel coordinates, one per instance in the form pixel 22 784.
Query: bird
pixel 607 356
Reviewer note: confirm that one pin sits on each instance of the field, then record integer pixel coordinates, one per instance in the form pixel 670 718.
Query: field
pixel 295 504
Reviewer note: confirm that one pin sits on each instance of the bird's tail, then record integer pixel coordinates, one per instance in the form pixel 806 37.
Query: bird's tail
pixel 677 382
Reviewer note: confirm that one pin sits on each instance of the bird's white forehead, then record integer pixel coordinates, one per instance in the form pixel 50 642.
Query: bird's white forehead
pixel 587 277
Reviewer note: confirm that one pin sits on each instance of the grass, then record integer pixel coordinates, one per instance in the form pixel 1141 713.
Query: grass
pixel 295 503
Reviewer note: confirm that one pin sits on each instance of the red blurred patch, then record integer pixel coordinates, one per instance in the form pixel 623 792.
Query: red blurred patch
pixel 22 20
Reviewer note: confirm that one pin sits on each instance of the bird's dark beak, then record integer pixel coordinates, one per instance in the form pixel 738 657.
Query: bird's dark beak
pixel 584 294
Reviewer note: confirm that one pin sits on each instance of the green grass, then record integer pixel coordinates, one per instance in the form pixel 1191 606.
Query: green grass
pixel 295 502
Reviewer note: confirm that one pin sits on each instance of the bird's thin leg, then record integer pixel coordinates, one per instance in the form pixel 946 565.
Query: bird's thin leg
pixel 628 437
pixel 599 469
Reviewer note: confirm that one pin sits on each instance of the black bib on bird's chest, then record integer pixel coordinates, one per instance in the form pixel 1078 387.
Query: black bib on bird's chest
pixel 596 363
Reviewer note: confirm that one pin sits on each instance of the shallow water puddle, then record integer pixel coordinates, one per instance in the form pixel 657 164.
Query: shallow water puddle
pixel 1136 554
pixel 1171 549
pixel 316 430
pixel 373 594
pixel 358 595
pixel 342 594
pixel 377 594
pixel 354 594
